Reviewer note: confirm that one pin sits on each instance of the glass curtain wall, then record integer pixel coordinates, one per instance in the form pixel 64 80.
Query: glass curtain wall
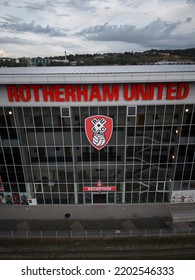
pixel 45 154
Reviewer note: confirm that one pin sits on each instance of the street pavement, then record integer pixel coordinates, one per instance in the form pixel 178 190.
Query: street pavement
pixel 56 225
pixel 82 217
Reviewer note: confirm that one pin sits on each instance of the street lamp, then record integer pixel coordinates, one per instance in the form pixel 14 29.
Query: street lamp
pixel 67 216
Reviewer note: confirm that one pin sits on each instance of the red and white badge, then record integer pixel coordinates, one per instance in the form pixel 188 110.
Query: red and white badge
pixel 98 130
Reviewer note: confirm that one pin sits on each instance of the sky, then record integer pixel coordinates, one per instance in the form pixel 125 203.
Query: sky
pixel 48 27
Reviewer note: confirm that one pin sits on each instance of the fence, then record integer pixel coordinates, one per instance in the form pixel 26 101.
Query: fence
pixel 85 234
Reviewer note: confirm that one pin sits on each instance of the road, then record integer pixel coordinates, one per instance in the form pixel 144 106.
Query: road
pixel 136 248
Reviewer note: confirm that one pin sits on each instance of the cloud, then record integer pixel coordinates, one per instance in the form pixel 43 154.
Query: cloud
pixel 5 3
pixel 133 3
pixel 13 40
pixel 190 1
pixel 188 19
pixel 3 53
pixel 85 5
pixel 17 25
pixel 38 6
pixel 49 5
pixel 158 33
pixel 128 33
pixel 9 18
pixel 47 26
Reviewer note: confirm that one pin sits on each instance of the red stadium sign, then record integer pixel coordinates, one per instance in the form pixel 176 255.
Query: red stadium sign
pixel 99 189
pixel 96 92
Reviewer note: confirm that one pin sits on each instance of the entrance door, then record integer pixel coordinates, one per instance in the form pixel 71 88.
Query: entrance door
pixel 99 198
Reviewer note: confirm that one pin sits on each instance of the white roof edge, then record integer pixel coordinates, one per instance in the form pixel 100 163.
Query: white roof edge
pixel 97 74
pixel 96 69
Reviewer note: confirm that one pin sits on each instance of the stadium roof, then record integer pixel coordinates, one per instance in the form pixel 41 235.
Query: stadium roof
pixel 97 74
pixel 96 69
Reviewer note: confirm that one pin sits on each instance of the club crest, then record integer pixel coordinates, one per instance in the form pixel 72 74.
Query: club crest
pixel 98 129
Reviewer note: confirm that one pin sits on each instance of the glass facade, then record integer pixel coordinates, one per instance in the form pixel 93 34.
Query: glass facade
pixel 45 155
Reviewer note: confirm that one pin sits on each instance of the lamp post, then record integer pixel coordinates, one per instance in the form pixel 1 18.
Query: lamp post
pixel 67 216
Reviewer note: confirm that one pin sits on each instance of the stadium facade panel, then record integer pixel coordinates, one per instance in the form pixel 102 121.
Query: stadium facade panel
pixel 108 135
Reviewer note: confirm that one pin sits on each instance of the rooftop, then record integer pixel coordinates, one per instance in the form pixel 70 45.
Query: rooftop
pixel 96 69
pixel 97 74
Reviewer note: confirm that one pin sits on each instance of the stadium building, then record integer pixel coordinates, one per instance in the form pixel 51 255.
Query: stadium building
pixel 110 135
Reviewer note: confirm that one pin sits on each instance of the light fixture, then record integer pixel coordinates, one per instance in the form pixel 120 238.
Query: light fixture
pixel 10 112
pixel 173 156
pixel 186 110
pixel 176 131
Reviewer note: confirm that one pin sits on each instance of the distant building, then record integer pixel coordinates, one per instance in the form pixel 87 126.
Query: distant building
pixel 99 57
pixel 73 63
pixel 25 60
pixel 38 61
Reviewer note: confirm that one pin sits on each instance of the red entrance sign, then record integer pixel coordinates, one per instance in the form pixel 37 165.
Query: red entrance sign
pixel 100 189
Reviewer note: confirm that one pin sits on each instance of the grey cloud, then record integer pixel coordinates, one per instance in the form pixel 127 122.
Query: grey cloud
pixel 5 3
pixel 190 1
pixel 38 6
pixel 9 18
pixel 156 34
pixel 128 33
pixel 188 19
pixel 13 40
pixel 84 5
pixel 49 5
pixel 20 26
pixel 133 3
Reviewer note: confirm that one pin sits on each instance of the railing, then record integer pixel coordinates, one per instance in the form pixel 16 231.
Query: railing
pixel 87 234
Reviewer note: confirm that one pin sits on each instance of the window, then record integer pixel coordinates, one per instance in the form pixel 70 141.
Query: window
pixel 38 121
pixel 160 187
pixel 38 187
pixel 156 117
pixel 131 111
pixel 65 112
pixel 46 153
